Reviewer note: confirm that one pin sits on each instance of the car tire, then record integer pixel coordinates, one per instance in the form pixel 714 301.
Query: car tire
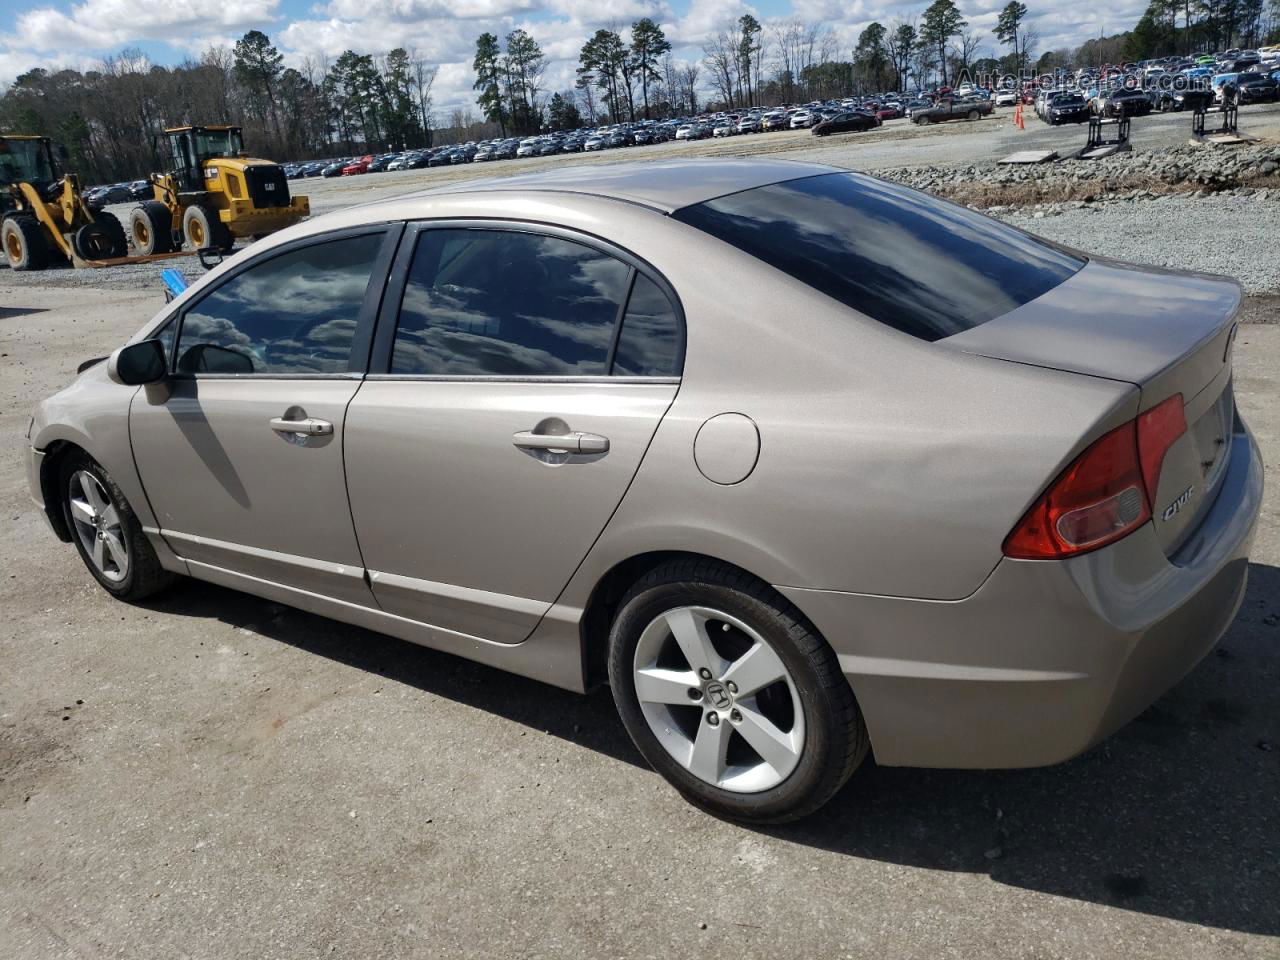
pixel 24 243
pixel 806 717
pixel 151 227
pixel 125 564
pixel 202 229
pixel 974 114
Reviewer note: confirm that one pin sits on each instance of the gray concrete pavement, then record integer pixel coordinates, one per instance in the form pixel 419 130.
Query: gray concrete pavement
pixel 214 776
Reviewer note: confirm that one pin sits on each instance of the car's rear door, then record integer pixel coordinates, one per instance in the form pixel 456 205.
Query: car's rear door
pixel 519 374
pixel 240 451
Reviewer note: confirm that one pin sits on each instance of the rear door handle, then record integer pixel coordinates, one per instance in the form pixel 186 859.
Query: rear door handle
pixel 576 442
pixel 309 427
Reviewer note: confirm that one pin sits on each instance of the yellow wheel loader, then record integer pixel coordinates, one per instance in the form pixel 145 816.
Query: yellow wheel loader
pixel 45 218
pixel 211 193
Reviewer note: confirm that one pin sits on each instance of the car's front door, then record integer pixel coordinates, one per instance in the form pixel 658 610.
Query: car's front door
pixel 240 452
pixel 525 374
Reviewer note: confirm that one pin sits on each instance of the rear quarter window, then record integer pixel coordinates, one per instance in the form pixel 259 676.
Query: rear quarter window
pixel 910 261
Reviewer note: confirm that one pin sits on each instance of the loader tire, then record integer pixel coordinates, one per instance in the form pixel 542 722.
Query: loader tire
pixel 151 227
pixel 101 239
pixel 202 229
pixel 24 242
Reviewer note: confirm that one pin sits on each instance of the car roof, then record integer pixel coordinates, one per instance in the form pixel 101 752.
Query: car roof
pixel 666 186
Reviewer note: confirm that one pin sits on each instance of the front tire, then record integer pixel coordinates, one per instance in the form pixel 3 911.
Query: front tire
pixel 106 532
pixel 24 243
pixel 731 695
pixel 202 229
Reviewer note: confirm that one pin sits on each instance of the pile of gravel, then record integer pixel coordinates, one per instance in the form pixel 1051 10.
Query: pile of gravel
pixel 1184 169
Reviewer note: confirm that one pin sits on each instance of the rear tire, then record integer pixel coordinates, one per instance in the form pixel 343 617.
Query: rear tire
pixel 106 532
pixel 202 229
pixel 151 226
pixel 813 730
pixel 24 243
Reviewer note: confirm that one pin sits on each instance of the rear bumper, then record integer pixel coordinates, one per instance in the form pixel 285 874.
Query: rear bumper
pixel 1047 657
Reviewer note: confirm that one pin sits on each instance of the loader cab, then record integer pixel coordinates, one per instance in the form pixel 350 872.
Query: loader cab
pixel 189 148
pixel 27 160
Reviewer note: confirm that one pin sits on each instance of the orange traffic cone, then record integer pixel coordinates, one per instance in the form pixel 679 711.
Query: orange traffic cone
pixel 1017 117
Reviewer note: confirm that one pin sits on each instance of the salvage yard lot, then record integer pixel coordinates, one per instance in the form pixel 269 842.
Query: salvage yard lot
pixel 212 775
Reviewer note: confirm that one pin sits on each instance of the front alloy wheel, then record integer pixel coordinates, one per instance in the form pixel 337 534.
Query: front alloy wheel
pixel 97 524
pixel 106 532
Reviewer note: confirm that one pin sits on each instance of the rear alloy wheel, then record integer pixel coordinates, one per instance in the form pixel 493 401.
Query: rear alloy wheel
pixel 731 695
pixel 107 534
pixel 24 243
pixel 152 228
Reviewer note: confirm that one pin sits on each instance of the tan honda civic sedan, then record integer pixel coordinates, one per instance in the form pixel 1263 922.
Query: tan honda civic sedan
pixel 802 463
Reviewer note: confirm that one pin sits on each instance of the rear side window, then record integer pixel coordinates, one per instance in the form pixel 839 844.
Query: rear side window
pixel 480 302
pixel 291 314
pixel 920 265
pixel 649 342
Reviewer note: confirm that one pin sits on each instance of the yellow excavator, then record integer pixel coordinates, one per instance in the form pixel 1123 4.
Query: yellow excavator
pixel 45 216
pixel 210 193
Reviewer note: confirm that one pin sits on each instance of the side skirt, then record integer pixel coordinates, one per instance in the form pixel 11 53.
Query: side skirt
pixel 553 654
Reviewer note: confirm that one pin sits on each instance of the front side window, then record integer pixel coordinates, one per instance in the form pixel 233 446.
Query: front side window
pixel 921 265
pixel 483 302
pixel 295 313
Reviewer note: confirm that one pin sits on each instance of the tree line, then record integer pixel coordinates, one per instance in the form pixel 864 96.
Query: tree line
pixel 108 118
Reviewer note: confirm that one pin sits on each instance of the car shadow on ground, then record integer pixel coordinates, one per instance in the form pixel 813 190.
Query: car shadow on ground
pixel 1177 815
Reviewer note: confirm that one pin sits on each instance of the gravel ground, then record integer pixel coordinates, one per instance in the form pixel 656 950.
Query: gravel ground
pixel 1231 235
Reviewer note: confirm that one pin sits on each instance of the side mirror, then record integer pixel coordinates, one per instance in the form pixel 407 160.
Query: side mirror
pixel 62 152
pixel 138 363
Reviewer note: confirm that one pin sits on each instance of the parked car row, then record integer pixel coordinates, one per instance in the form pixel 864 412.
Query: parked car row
pixel 126 192
pixel 1163 84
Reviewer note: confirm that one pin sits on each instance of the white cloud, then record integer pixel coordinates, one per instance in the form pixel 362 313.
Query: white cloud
pixel 97 24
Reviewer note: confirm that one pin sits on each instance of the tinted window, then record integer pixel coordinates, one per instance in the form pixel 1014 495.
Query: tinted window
pixel 649 343
pixel 502 303
pixel 915 263
pixel 295 313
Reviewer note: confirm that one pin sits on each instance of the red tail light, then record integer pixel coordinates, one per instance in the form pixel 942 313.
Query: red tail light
pixel 1158 428
pixel 1105 493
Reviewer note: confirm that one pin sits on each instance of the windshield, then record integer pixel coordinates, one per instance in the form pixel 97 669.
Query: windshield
pixel 25 161
pixel 218 143
pixel 921 265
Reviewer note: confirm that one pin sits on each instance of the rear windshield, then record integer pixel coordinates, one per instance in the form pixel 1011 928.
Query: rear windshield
pixel 920 265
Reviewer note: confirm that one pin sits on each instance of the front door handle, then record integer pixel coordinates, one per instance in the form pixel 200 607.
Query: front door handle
pixel 309 427
pixel 576 442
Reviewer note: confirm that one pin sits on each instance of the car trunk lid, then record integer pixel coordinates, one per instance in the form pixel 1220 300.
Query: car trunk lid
pixel 1167 333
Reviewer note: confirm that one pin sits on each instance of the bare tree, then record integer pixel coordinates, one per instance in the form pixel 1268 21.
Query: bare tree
pixel 966 51
pixel 720 54
pixel 423 75
pixel 688 80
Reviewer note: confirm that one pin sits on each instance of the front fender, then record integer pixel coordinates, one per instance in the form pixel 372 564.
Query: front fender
pixel 91 414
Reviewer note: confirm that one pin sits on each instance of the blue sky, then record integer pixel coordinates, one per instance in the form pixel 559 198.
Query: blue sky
pixel 54 33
